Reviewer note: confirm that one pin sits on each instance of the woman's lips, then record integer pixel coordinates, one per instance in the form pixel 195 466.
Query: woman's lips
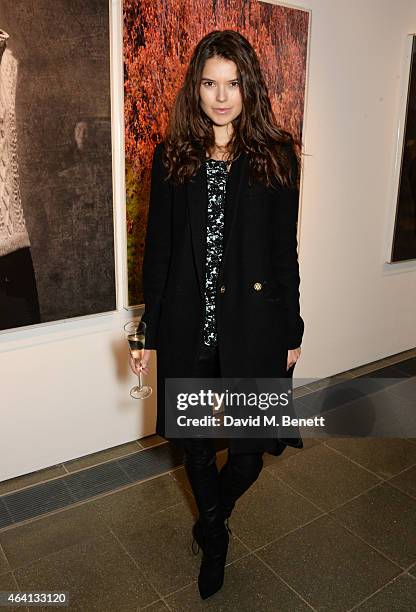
pixel 221 111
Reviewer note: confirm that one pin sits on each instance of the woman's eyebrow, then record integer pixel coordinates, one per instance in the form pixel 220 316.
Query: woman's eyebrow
pixel 214 81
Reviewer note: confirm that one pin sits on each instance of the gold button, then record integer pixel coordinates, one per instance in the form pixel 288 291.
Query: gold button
pixel 222 288
pixel 257 286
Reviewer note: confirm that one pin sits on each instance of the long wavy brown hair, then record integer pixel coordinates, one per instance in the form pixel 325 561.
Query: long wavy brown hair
pixel 272 152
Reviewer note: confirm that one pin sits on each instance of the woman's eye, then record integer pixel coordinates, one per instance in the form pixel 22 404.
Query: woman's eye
pixel 233 83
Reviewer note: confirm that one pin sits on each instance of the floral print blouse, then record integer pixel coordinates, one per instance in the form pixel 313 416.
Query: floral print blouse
pixel 217 174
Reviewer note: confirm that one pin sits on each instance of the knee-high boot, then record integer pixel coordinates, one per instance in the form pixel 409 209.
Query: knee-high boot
pixel 203 477
pixel 235 478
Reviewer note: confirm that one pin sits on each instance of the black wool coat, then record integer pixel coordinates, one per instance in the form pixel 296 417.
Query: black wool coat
pixel 257 300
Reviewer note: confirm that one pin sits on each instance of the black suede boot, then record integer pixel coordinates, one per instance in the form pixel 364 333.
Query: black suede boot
pixel 215 547
pixel 235 477
pixel 202 474
pixel 227 506
pixel 198 535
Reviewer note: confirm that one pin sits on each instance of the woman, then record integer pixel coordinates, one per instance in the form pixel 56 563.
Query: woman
pixel 220 270
pixel 19 303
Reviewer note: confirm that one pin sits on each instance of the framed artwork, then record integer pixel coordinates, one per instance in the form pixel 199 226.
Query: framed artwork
pixel 158 40
pixel 56 194
pixel 403 244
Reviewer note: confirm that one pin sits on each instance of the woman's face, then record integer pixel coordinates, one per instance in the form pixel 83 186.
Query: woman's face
pixel 220 93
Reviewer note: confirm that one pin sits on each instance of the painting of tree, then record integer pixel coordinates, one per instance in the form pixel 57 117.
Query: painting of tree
pixel 158 40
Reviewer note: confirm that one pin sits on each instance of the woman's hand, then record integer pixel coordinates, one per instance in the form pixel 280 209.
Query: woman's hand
pixel 141 364
pixel 292 357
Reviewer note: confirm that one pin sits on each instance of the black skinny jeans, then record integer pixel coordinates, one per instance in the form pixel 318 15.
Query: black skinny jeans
pixel 211 488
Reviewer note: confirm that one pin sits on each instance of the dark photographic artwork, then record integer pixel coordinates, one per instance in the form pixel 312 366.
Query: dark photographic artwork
pixel 56 195
pixel 159 38
pixel 404 234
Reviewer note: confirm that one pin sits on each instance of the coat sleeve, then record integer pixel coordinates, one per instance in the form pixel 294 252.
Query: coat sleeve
pixel 157 247
pixel 285 260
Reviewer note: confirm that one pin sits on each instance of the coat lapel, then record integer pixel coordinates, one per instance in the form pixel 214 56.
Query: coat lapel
pixel 197 197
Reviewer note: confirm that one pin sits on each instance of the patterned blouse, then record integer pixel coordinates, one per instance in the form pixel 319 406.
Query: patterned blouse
pixel 216 182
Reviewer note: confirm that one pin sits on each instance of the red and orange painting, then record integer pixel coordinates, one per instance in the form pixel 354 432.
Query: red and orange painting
pixel 158 40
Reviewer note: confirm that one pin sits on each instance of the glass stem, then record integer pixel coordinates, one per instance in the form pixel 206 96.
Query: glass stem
pixel 140 381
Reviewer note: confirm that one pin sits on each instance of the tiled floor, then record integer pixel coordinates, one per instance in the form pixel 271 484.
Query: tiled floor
pixel 331 527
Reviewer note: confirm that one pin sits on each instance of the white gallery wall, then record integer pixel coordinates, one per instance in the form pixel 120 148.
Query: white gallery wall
pixel 65 385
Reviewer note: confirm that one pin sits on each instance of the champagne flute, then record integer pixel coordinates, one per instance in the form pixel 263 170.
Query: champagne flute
pixel 136 336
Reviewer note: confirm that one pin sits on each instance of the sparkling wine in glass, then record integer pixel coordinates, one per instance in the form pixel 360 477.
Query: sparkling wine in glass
pixel 136 336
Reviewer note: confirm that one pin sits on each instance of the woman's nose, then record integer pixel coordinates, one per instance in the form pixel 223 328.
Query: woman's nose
pixel 221 94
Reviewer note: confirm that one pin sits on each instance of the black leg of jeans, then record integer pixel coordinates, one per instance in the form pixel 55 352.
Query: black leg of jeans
pixel 200 454
pixel 202 473
pixel 237 475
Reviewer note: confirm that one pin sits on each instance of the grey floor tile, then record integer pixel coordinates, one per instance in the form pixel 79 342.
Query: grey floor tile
pixel 179 475
pixel 161 544
pixel 405 481
pixel 4 566
pixel 405 389
pixel 13 484
pixel 384 456
pixel 290 452
pixel 27 543
pixel 98 575
pixel 385 415
pixel 125 508
pixel 331 568
pixel 399 595
pixel 362 411
pixel 157 606
pixel 8 583
pixel 385 518
pixel 324 477
pixel 361 407
pixel 268 510
pixel 326 399
pixel 248 586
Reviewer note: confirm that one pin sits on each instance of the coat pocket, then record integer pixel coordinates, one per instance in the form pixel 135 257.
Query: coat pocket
pixel 272 293
pixel 268 291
